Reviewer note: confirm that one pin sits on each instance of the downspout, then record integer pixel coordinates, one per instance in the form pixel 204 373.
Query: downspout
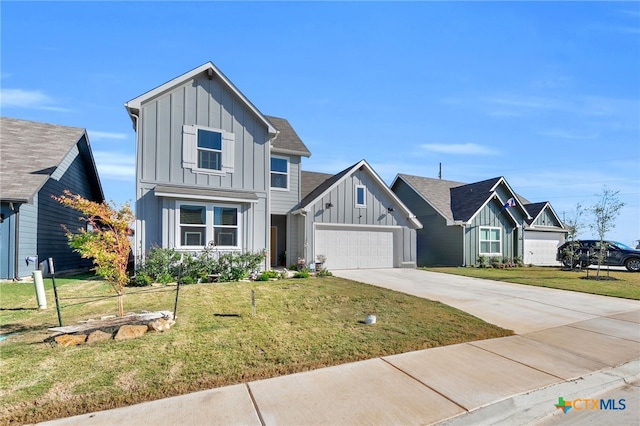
pixel 138 231
pixel 267 231
pixel 303 237
pixel 464 245
pixel 16 240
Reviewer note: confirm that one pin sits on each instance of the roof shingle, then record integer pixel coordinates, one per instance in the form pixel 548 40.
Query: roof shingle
pixel 30 152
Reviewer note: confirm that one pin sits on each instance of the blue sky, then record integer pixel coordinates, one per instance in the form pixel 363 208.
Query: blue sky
pixel 545 94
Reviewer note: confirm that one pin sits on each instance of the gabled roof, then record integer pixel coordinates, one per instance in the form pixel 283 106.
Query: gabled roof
pixel 311 181
pixel 133 106
pixel 455 201
pixel 32 151
pixel 466 200
pixel 328 184
pixel 287 141
pixel 536 209
pixel 435 192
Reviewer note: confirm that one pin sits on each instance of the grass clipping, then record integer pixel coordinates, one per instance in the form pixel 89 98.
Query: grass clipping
pixel 299 325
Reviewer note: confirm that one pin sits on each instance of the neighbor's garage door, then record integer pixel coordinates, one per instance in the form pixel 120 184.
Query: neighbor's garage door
pixel 540 248
pixel 355 248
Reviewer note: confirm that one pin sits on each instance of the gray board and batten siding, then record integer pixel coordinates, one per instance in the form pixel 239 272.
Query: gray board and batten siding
pixel 206 102
pixel 334 207
pixel 438 244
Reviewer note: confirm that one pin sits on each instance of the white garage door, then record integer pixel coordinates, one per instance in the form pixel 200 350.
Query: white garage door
pixel 540 248
pixel 349 248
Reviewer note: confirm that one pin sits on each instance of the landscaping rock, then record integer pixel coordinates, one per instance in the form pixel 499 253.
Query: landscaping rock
pixel 130 332
pixel 70 339
pixel 160 324
pixel 98 336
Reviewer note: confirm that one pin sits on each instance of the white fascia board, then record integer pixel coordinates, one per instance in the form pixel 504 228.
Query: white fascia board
pixel 513 194
pixel 289 152
pixel 487 201
pixel 547 205
pixel 133 105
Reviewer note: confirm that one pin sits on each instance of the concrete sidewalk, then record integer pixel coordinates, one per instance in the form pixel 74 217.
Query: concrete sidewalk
pixel 569 345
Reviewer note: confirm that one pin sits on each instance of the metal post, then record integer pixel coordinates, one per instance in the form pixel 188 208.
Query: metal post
pixel 55 290
pixel 175 304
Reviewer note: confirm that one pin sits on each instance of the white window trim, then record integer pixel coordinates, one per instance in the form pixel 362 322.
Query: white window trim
pixel 288 173
pixel 190 150
pixel 364 196
pixel 480 241
pixel 209 225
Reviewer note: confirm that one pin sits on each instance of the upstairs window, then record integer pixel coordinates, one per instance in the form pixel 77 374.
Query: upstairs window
pixel 209 150
pixel 490 241
pixel 279 173
pixel 360 196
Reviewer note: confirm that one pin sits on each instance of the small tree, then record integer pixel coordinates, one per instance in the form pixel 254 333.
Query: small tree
pixel 105 240
pixel 605 212
pixel 574 224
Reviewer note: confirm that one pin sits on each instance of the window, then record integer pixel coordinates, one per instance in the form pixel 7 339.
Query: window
pixel 279 173
pixel 209 150
pixel 491 241
pixel 192 225
pixel 225 226
pixel 361 200
pixel 200 224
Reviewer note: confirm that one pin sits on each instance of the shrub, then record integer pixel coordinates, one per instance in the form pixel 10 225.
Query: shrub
pixel 161 264
pixel 304 273
pixel 324 272
pixel 482 261
pixel 188 279
pixel 140 280
pixel 262 277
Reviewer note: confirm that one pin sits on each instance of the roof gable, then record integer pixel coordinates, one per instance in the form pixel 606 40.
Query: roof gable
pixel 133 106
pixel 536 210
pixel 467 200
pixel 456 201
pixel 328 184
pixel 25 167
pixel 287 141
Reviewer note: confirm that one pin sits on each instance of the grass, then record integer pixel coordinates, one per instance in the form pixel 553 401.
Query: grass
pixel 625 285
pixel 299 325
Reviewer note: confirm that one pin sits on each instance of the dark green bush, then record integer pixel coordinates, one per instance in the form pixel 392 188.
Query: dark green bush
pixel 140 280
pixel 262 277
pixel 301 274
pixel 161 264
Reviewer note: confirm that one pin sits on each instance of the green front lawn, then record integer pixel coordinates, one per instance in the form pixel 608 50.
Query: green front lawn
pixel 626 284
pixel 300 324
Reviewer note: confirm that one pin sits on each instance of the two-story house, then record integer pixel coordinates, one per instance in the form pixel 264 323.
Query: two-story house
pixel 212 170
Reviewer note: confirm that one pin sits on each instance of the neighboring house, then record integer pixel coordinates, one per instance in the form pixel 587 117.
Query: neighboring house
pixel 212 170
pixel 39 160
pixel 464 221
pixel 354 220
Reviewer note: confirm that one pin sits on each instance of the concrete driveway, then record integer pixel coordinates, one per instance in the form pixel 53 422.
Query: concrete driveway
pixel 516 307
pixel 568 344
